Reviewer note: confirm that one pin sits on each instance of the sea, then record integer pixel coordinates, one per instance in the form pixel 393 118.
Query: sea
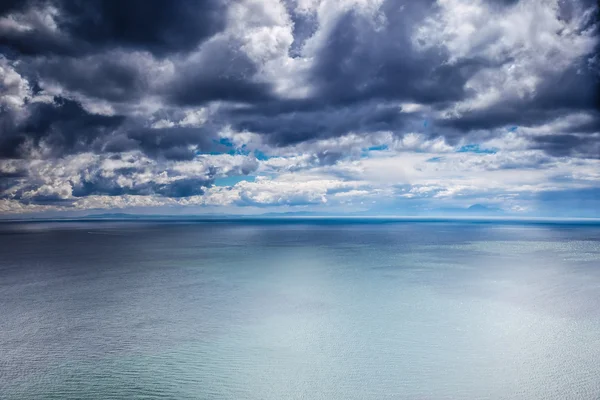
pixel 299 309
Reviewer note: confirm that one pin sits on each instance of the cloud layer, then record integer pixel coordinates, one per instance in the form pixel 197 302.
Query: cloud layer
pixel 365 106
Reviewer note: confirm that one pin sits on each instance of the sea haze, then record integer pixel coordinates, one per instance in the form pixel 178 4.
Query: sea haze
pixel 305 310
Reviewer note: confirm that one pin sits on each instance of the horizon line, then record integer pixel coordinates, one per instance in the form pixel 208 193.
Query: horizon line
pixel 258 217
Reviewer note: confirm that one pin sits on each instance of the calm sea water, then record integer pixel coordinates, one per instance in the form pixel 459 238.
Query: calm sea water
pixel 299 311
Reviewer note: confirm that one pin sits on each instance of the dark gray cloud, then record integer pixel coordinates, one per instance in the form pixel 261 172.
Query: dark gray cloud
pixel 563 145
pixel 83 26
pixel 7 6
pixel 173 143
pixel 52 182
pixel 161 26
pixel 64 127
pixel 359 61
pixel 287 123
pixel 98 185
pixel 221 72
pixel 61 127
pixel 364 60
pixel 574 90
pixel 110 78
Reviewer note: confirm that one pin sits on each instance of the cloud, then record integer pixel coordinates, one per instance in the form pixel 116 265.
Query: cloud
pixel 541 61
pixel 327 103
pixel 53 129
pixel 286 190
pixel 356 62
pixel 72 177
pixel 218 72
pixel 77 27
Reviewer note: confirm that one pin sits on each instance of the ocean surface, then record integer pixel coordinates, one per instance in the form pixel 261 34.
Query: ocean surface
pixel 305 310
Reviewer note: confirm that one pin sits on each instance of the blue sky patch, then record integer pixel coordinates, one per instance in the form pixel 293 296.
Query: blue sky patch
pixel 226 142
pixel 378 148
pixel 232 180
pixel 474 148
pixel 261 156
pixel 365 152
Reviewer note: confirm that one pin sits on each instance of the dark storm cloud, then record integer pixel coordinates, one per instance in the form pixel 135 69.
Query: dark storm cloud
pixel 220 72
pixel 358 70
pixel 357 73
pixel 158 26
pixel 173 143
pixel 161 26
pixel 503 2
pixel 353 70
pixel 296 122
pixel 47 200
pixel 61 127
pixel 576 89
pixel 10 176
pixel 359 61
pixel 7 6
pixel 364 60
pixel 563 145
pixel 110 78
pixel 138 176
pixel 99 185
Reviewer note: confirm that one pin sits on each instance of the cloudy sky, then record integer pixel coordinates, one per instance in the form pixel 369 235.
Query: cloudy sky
pixel 332 106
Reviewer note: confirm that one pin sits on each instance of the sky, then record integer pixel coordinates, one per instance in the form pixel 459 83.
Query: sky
pixel 367 107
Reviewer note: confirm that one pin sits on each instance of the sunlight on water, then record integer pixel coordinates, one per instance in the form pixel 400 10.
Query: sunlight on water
pixel 409 310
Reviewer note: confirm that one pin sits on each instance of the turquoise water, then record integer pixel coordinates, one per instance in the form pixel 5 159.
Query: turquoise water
pixel 107 310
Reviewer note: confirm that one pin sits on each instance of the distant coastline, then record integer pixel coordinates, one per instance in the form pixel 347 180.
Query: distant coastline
pixel 308 219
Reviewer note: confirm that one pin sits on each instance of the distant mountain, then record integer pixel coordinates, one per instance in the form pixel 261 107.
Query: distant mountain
pixel 150 216
pixel 292 214
pixel 475 210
